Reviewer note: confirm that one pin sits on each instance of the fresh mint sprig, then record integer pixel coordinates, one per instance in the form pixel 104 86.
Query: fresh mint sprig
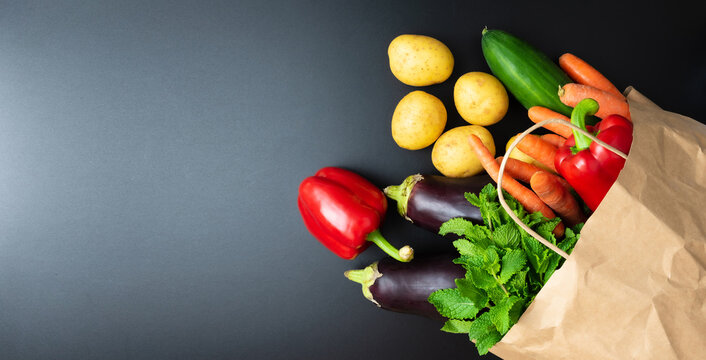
pixel 505 268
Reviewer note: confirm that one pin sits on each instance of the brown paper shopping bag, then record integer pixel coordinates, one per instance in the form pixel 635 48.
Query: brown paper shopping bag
pixel 635 285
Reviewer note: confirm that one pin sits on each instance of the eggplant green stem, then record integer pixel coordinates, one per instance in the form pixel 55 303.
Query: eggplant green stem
pixel 366 277
pixel 585 107
pixel 404 254
pixel 400 193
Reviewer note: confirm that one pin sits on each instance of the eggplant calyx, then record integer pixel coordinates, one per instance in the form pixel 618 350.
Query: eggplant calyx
pixel 365 277
pixel 400 193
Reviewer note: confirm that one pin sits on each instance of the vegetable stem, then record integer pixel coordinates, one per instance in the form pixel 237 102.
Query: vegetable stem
pixel 497 280
pixel 585 107
pixel 365 277
pixel 404 254
pixel 358 276
pixel 400 193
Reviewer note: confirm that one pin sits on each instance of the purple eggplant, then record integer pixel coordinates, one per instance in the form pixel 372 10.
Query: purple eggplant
pixel 405 287
pixel 430 200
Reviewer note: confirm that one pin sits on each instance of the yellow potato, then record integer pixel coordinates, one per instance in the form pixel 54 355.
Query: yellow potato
pixel 418 120
pixel 519 155
pixel 480 98
pixel 419 60
pixel 452 154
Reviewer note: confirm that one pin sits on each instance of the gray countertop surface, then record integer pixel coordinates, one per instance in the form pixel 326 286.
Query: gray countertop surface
pixel 150 154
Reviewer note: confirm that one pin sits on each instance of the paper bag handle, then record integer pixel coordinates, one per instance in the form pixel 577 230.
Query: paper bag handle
pixel 517 140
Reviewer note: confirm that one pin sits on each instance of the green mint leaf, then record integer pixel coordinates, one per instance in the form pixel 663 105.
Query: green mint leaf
pixel 487 204
pixel 472 255
pixel 456 326
pixel 472 293
pixel 465 228
pixel 518 283
pixel 577 228
pixel 469 262
pixel 485 241
pixel 570 239
pixel 473 199
pixel 467 248
pixel 533 219
pixel 515 206
pixel 533 249
pixel 500 314
pixel 458 226
pixel 489 192
pixel 516 311
pixel 480 235
pixel 491 261
pixel 534 283
pixel 491 214
pixel 545 229
pixel 513 261
pixel 552 263
pixel 496 294
pixel 569 233
pixel 486 342
pixel 567 244
pixel 483 331
pixel 451 304
pixel 544 264
pixel 481 326
pixel 481 278
pixel 507 236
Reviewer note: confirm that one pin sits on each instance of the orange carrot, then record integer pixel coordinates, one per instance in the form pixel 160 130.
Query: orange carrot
pixel 583 73
pixel 519 170
pixel 538 149
pixel 571 93
pixel 523 171
pixel 539 113
pixel 525 196
pixel 557 197
pixel 553 139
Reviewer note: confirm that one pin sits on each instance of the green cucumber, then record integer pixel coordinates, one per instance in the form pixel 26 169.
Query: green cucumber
pixel 526 72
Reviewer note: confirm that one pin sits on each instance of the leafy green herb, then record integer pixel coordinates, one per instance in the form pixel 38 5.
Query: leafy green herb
pixel 505 268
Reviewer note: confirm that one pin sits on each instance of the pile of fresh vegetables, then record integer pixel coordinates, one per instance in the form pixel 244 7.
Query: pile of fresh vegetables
pixel 551 182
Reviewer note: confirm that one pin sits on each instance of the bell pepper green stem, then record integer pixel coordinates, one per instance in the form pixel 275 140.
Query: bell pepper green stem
pixel 585 107
pixel 404 254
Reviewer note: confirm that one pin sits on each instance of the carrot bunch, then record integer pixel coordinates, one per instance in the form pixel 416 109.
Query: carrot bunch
pixel 526 197
pixel 548 193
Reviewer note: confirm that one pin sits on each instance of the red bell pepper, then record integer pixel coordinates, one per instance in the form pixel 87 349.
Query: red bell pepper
pixel 343 211
pixel 590 168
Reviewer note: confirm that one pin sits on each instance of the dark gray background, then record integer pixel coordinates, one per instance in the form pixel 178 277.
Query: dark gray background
pixel 150 154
